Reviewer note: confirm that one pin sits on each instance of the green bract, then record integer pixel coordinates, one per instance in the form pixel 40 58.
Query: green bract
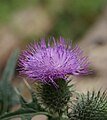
pixel 92 106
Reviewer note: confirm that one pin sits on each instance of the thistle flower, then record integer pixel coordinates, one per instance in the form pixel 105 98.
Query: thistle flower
pixel 48 63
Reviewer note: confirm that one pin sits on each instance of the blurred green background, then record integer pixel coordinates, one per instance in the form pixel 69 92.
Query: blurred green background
pixel 67 18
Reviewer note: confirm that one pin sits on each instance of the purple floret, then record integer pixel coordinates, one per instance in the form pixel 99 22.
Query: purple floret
pixel 47 63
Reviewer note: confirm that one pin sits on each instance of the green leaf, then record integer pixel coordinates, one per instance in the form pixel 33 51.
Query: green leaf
pixel 8 96
pixel 34 103
pixel 27 110
pixel 22 113
pixel 10 67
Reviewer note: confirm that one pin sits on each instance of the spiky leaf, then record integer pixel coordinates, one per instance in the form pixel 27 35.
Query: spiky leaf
pixel 27 110
pixel 8 96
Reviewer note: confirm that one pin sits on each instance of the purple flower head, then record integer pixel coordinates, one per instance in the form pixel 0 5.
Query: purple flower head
pixel 47 63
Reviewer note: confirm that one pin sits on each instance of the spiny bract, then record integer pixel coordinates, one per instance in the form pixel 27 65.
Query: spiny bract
pixel 53 99
pixel 92 106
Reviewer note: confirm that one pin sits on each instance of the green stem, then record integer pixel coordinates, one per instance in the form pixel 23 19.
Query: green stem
pixel 55 117
pixel 60 116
